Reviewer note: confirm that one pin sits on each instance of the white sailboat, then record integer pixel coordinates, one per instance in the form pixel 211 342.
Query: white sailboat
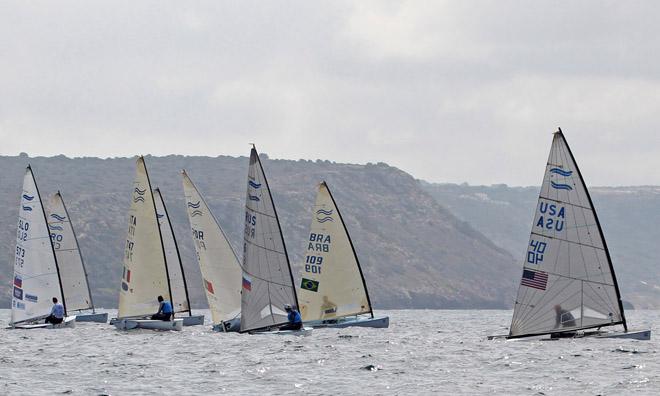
pixel 267 284
pixel 75 283
pixel 333 292
pixel 36 273
pixel 144 275
pixel 568 286
pixel 218 263
pixel 175 273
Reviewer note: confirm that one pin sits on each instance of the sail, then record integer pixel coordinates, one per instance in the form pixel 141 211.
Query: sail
pixel 332 284
pixel 144 276
pixel 220 268
pixel 36 280
pixel 178 285
pixel 267 283
pixel 72 269
pixel 568 282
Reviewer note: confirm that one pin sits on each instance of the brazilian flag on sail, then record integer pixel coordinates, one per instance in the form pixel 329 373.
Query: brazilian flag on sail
pixel 309 284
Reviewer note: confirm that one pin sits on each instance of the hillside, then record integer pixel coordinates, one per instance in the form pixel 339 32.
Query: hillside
pixel 629 217
pixel 415 253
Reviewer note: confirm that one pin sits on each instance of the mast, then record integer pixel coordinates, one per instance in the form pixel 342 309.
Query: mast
pixel 75 238
pixel 277 219
pixel 600 230
pixel 178 255
pixel 50 242
pixel 160 235
pixel 364 283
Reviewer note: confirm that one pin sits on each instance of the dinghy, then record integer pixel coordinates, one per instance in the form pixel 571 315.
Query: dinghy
pixel 333 292
pixel 144 275
pixel 568 286
pixel 175 273
pixel 220 268
pixel 267 284
pixel 75 282
pixel 37 277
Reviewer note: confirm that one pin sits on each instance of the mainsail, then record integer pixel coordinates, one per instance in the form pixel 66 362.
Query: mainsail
pixel 267 280
pixel 144 275
pixel 69 259
pixel 180 300
pixel 332 283
pixel 221 270
pixel 36 275
pixel 568 282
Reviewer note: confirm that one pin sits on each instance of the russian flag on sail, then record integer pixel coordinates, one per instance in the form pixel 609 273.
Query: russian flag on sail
pixel 18 281
pixel 535 279
pixel 247 284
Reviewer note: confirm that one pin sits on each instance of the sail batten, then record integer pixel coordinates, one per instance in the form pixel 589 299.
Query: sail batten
pixel 218 263
pixel 568 282
pixel 267 284
pixel 75 282
pixel 36 273
pixel 332 284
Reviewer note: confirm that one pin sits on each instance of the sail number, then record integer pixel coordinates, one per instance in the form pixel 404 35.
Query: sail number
pixel 313 264
pixel 23 227
pixel 20 257
pixel 56 239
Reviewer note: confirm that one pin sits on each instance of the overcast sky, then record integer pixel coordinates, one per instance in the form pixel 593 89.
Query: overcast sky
pixel 447 91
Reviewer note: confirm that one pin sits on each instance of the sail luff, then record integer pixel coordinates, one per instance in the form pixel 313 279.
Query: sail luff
pixel 600 231
pixel 350 240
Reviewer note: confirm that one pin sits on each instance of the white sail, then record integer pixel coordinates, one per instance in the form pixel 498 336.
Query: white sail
pixel 267 282
pixel 220 268
pixel 172 258
pixel 332 285
pixel 69 259
pixel 568 281
pixel 36 280
pixel 144 276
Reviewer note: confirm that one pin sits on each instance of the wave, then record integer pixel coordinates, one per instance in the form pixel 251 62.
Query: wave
pixel 140 192
pixel 194 205
pixel 561 172
pixel 254 184
pixel 28 197
pixel 254 198
pixel 560 186
pixel 325 212
pixel 196 213
pixel 55 227
pixel 57 217
pixel 324 219
pixel 160 216
pixel 138 199
pixel 27 208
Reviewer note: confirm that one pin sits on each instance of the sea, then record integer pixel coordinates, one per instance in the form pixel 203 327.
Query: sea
pixel 422 352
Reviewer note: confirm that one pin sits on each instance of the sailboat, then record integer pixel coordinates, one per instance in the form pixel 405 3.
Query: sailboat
pixel 267 284
pixel 145 272
pixel 36 273
pixel 218 263
pixel 75 283
pixel 568 286
pixel 333 292
pixel 175 273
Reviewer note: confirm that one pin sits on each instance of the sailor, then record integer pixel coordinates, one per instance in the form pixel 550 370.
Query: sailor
pixel 563 317
pixel 56 313
pixel 295 321
pixel 164 310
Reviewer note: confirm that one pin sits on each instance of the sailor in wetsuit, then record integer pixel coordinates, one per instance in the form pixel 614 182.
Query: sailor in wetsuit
pixel 56 313
pixel 564 318
pixel 164 310
pixel 295 321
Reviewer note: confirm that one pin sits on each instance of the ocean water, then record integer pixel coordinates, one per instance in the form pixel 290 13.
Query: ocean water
pixel 423 352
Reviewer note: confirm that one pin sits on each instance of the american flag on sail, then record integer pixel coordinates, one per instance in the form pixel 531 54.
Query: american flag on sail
pixel 535 279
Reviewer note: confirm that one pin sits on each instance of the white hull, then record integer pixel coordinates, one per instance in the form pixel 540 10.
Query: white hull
pixel 379 323
pixel 642 335
pixel 93 317
pixel 305 331
pixel 69 322
pixel 130 324
pixel 229 326
pixel 194 320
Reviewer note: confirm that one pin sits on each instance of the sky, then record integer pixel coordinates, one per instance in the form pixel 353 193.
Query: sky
pixel 449 91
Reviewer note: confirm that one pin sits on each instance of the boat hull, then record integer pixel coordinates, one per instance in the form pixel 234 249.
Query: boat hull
pixel 378 323
pixel 194 320
pixel 69 322
pixel 305 331
pixel 229 326
pixel 93 317
pixel 130 324
pixel 642 335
